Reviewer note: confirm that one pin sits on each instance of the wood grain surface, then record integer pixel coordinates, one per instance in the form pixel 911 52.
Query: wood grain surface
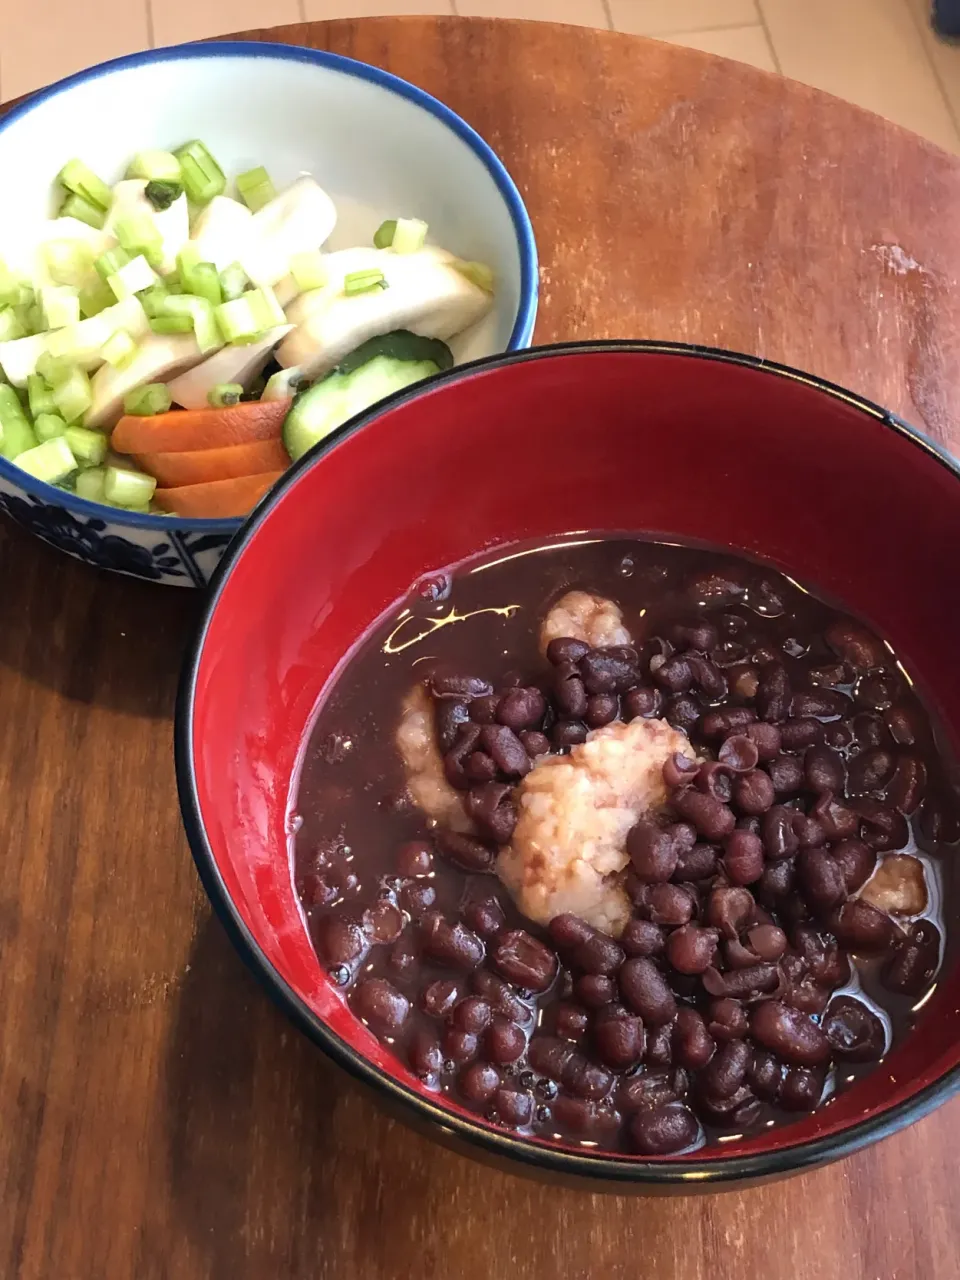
pixel 158 1118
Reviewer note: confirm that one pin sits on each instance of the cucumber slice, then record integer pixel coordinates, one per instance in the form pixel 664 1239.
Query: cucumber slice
pixel 377 369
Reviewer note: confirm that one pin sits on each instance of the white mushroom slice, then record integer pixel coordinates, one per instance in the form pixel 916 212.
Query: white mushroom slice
pixel 424 293
pixel 298 220
pixel 157 359
pixel 580 615
pixel 173 223
pixel 239 364
pixel 223 231
pixel 898 886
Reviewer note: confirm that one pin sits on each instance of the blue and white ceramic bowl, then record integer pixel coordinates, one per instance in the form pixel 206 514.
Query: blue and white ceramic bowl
pixel 377 144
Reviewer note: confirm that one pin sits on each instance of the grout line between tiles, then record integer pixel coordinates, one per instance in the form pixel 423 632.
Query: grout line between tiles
pixel 608 12
pixel 938 79
pixel 723 26
pixel 151 37
pixel 302 9
pixel 758 5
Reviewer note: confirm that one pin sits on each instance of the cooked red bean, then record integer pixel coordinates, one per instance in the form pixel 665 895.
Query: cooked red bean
pixel 507 750
pixel 568 733
pixel 479 767
pixel 521 708
pixel 523 959
pixel 424 1053
pixel 671 904
pixel 743 857
pixel 501 998
pixel 776 882
pixel 643 702
pixel 786 774
pixel 448 717
pixel 438 999
pixel 450 944
pixel 653 851
pixel 664 1130
pixel 605 671
pixel 445 682
pixel 856 860
pixel 484 710
pixel 682 711
pixel 339 941
pixel 484 916
pixel 602 708
pixel 764 1074
pixel 753 792
pixel 459 1046
pixel 712 819
pixel 380 1005
pixel 715 779
pixel 823 769
pixel 789 1034
pixel 728 910
pixel 707 677
pixel 742 984
pixel 698 863
pixel 618 1038
pixel 472 1014
pixel 808 830
pixel 773 693
pixel 595 990
pixel 566 649
pixel 739 753
pixel 726 721
pixel 642 938
pixel 767 941
pixel 914 959
pixel 455 759
pixel 464 851
pixel 513 1108
pixel 727 1020
pixel 779 837
pixel 795 735
pixel 479 1082
pixel 415 858
pixel 854 1031
pixel 883 827
pixel 725 1072
pixel 535 744
pixel 821 879
pixel 569 692
pixel 692 1044
pixel 908 784
pixel 674 674
pixel 493 811
pixel 383 922
pixel 646 991
pixel 570 1021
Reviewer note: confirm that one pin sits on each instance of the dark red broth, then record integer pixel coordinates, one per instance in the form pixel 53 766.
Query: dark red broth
pixel 752 981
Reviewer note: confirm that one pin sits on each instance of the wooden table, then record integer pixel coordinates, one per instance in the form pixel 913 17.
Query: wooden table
pixel 158 1118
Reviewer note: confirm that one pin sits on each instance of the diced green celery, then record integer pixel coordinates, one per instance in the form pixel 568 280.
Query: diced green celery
pixel 145 401
pixel 477 273
pixel 200 174
pixel 152 299
pixel 90 484
pixel 201 314
pixel 308 270
pixel 73 396
pixel 225 394
pixel 76 177
pixel 238 320
pixel 88 447
pixel 110 263
pixel 38 395
pixel 233 281
pixel 51 461
pixel 9 287
pixel 47 426
pixel 255 188
pixel 205 283
pixel 119 349
pixel 283 384
pixel 33 318
pixel 171 324
pixel 11 325
pixel 266 308
pixel 61 305
pixel 128 488
pixel 138 235
pixel 132 278
pixel 16 434
pixel 410 235
pixel 188 259
pixel 95 297
pixel 155 166
pixel 84 211
pixel 68 261
pixel 363 282
pixel 53 369
pixel 383 236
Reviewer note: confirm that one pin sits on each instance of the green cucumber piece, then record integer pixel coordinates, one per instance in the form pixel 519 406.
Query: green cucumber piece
pixel 377 369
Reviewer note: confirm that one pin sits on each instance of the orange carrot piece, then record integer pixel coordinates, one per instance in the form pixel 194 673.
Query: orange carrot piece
pixel 183 430
pixel 217 498
pixel 199 466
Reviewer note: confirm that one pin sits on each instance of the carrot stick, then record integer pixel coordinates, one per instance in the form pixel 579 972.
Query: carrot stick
pixel 198 466
pixel 216 498
pixel 183 430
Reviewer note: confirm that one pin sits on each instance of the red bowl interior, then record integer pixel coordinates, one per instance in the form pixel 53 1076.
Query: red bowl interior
pixel 662 440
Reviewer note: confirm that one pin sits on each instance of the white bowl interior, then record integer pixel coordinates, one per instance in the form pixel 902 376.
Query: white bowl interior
pixel 379 155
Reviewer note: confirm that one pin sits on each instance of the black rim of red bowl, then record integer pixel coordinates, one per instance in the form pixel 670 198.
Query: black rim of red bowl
pixel 599 1168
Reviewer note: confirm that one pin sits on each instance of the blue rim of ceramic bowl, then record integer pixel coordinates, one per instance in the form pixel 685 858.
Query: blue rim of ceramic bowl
pixel 523 228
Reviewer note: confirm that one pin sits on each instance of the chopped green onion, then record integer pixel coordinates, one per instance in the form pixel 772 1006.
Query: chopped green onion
pixel 76 207
pixel 200 174
pixel 139 236
pixel 118 350
pixel 88 447
pixel 128 488
pixel 48 426
pixel 383 236
pixel 201 314
pixel 205 283
pixel 53 369
pixel 233 281
pixel 227 393
pixel 90 484
pixel 16 434
pixel 145 401
pixel 95 297
pixel 410 235
pixel 162 194
pixel 73 396
pixel 61 306
pixel 11 326
pixel 110 263
pixel 363 282
pixel 238 320
pixel 76 177
pixel 477 273
pixel 255 188
pixel 308 271
pixel 171 324
pixel 155 166
pixel 38 395
pixel 51 461
pixel 134 277
pixel 68 261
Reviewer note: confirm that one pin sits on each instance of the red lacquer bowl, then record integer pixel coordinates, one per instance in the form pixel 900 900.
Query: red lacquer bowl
pixel 647 437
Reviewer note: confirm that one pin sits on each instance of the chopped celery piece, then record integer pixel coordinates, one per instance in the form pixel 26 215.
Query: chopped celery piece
pixel 138 235
pixel 84 211
pixel 95 297
pixel 51 461
pixel 9 287
pixel 225 394
pixel 76 177
pixel 38 395
pixel 308 271
pixel 162 194
pixel 73 396
pixel 127 488
pixel 283 384
pixel 33 318
pixel 200 174
pixel 171 324
pixel 88 447
pixel 238 320
pixel 266 308
pixel 90 484
pixel 409 236
pixel 383 236
pixel 233 281
pixel 68 261
pixel 16 434
pixel 188 259
pixel 61 305
pixel 152 299
pixel 363 282
pixel 119 349
pixel 477 273
pixel 132 278
pixel 110 263
pixel 53 369
pixel 255 188
pixel 145 401
pixel 155 166
pixel 205 283
pixel 201 314
pixel 11 326
pixel 47 426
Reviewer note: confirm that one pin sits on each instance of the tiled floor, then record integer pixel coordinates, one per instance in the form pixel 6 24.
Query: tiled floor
pixel 881 54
